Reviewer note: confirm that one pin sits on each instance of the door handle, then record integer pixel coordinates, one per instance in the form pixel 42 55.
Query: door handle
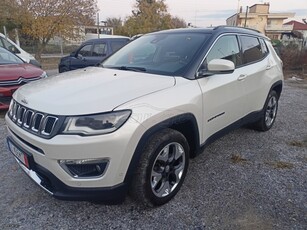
pixel 242 77
pixel 269 67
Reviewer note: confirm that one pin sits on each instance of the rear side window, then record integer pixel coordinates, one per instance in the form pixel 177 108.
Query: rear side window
pixel 99 50
pixel 251 48
pixel 116 45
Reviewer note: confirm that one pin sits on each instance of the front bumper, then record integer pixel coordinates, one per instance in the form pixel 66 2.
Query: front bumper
pixel 6 96
pixel 53 186
pixel 47 172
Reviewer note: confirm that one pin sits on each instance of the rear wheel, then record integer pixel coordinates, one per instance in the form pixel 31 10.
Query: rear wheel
pixel 269 113
pixel 162 169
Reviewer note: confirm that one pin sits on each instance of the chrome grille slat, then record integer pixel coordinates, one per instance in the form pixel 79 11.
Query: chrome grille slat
pixel 19 81
pixel 49 121
pixel 37 122
pixel 33 121
pixel 28 118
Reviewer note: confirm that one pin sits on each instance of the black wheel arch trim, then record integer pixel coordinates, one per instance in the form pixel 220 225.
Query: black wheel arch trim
pixel 172 123
pixel 278 85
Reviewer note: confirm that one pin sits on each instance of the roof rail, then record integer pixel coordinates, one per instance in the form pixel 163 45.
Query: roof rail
pixel 217 27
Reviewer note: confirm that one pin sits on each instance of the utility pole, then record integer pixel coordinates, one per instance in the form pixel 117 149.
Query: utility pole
pixel 98 25
pixel 246 16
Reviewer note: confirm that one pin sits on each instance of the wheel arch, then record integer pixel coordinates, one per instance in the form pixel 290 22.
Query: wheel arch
pixel 184 123
pixel 277 87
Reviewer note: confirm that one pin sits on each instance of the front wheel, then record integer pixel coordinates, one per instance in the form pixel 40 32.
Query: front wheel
pixel 162 169
pixel 269 113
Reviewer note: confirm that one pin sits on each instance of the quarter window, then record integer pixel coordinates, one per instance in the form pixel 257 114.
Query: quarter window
pixel 264 48
pixel 225 48
pixel 251 49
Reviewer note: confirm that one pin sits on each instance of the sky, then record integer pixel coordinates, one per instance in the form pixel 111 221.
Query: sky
pixel 202 13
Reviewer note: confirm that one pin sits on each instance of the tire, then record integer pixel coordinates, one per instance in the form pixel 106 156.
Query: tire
pixel 269 113
pixel 63 69
pixel 160 175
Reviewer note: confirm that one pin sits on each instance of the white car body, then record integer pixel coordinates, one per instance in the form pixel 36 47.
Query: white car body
pixel 7 43
pixel 215 102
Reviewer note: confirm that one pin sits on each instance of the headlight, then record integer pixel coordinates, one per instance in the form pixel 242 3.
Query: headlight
pixel 96 124
pixel 43 75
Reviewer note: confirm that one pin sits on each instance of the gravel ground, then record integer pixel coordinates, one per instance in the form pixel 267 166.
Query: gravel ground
pixel 246 180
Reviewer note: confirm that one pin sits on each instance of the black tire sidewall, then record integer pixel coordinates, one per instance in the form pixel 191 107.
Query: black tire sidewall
pixel 264 125
pixel 167 139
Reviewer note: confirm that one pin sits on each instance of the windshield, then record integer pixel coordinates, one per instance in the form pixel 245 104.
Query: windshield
pixel 6 57
pixel 166 54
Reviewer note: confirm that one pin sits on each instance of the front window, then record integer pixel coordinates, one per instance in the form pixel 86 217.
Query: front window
pixel 164 53
pixel 85 51
pixel 227 48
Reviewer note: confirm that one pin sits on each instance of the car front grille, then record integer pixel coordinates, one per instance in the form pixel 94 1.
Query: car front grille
pixel 38 123
pixel 19 81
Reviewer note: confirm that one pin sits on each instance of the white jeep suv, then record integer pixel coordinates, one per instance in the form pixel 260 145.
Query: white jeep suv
pixel 133 123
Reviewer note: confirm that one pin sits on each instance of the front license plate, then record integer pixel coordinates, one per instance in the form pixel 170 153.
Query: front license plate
pixel 19 154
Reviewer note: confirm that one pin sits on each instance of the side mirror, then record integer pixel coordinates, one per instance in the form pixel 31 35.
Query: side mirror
pixel 221 66
pixel 73 54
pixel 80 57
pixel 13 49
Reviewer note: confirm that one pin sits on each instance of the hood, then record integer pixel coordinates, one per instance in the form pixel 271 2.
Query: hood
pixel 15 71
pixel 90 90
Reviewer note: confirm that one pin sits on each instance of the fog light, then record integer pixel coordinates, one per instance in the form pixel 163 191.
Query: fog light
pixel 87 168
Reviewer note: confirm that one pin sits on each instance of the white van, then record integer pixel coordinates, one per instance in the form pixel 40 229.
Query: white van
pixel 8 44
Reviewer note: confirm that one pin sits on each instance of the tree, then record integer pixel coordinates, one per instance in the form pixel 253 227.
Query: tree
pixel 148 16
pixel 7 13
pixel 43 19
pixel 178 22
pixel 117 24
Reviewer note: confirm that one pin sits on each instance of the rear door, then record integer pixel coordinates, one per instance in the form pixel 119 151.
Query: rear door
pixel 99 53
pixel 256 69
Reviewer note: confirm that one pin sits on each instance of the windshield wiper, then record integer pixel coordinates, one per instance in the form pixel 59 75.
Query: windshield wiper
pixel 132 68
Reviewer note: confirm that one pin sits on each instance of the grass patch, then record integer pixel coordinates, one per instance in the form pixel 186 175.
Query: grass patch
pixel 236 159
pixel 281 165
pixel 298 143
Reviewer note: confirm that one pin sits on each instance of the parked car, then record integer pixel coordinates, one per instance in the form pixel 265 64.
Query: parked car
pixel 8 44
pixel 14 72
pixel 92 52
pixel 133 125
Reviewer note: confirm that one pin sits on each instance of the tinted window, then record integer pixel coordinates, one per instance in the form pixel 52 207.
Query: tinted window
pixel 251 49
pixel 225 48
pixel 99 49
pixel 85 50
pixel 116 45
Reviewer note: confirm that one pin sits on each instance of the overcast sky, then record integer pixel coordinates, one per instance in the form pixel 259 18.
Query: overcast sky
pixel 202 13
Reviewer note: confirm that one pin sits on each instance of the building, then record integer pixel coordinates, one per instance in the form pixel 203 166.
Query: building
pixel 259 17
pixel 298 35
pixel 83 33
